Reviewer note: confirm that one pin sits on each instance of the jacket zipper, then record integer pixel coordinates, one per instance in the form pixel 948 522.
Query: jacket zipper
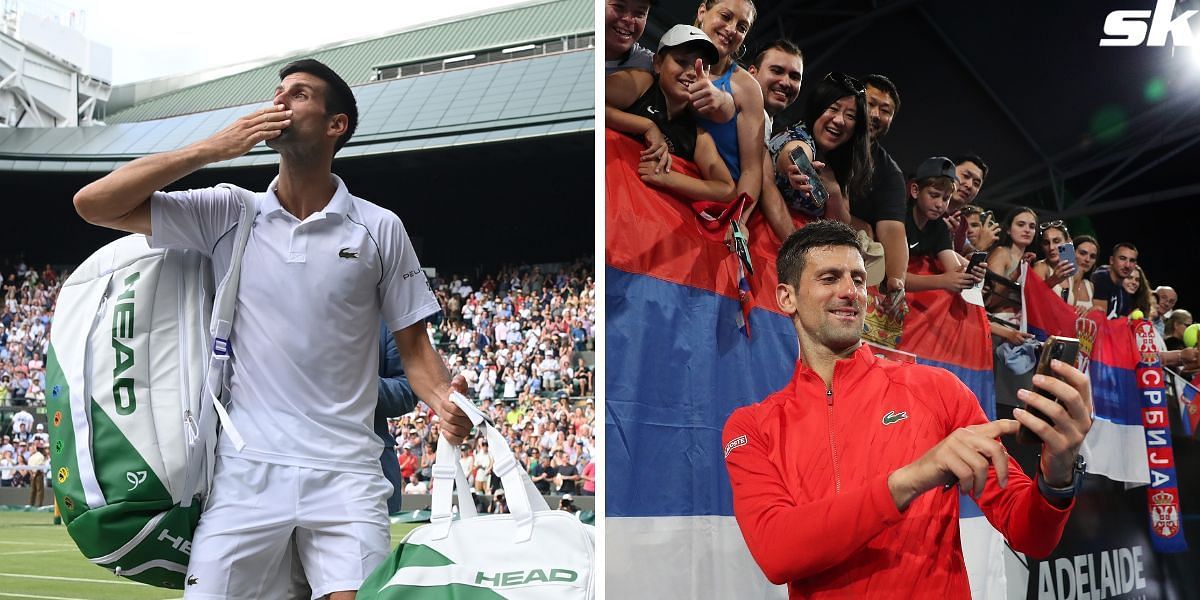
pixel 837 477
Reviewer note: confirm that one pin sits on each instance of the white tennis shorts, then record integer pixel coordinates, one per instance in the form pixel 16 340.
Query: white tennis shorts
pixel 339 519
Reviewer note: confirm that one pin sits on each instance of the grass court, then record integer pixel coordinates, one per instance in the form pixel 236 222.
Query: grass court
pixel 38 561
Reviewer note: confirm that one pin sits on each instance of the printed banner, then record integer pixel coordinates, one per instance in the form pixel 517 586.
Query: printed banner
pixel 1166 525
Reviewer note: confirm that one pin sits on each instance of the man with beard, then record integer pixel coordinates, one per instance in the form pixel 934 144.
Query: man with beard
pixel 305 378
pixel 857 456
pixel 1110 296
pixel 882 210
pixel 624 23
pixel 779 69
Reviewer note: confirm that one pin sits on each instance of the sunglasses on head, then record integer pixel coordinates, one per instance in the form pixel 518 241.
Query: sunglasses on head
pixel 1054 225
pixel 847 82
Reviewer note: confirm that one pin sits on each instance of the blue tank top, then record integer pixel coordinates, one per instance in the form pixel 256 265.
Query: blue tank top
pixel 725 134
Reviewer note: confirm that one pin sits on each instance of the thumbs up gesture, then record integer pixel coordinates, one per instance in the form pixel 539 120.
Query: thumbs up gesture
pixel 707 100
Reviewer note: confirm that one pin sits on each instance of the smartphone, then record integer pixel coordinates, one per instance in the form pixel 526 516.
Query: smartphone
pixel 1060 348
pixel 740 246
pixel 977 258
pixel 800 159
pixel 986 216
pixel 1067 252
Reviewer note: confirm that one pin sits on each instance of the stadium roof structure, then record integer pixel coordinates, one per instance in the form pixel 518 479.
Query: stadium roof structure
pixel 537 79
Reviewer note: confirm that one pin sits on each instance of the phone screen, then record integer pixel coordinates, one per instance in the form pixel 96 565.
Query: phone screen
pixel 1061 348
pixel 800 159
pixel 976 259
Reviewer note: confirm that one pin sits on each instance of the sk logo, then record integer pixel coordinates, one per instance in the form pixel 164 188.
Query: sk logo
pixel 55 391
pixel 69 503
pixel 894 417
pixel 346 253
pixel 63 474
pixel 57 418
pixel 191 580
pixel 58 447
pixel 135 478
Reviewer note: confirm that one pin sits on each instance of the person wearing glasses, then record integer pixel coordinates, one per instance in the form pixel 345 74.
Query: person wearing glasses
pixel 1110 296
pixel 1053 269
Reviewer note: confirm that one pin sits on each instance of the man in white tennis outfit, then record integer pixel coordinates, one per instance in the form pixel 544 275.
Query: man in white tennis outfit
pixel 321 268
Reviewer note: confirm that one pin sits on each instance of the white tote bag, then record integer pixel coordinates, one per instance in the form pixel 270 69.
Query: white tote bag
pixel 534 553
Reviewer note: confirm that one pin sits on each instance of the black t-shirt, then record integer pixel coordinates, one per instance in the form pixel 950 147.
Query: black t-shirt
pixel 929 241
pixel 543 485
pixel 680 131
pixel 568 485
pixel 1120 302
pixel 886 200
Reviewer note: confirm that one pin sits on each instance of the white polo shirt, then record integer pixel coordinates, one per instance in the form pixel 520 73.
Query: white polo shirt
pixel 306 333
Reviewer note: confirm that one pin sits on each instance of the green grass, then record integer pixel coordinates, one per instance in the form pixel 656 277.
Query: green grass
pixel 32 548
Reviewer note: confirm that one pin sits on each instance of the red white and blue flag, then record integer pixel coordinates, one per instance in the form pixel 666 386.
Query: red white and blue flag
pixel 678 364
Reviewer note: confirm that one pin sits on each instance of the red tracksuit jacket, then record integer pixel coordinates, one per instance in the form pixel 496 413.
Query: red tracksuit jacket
pixel 809 469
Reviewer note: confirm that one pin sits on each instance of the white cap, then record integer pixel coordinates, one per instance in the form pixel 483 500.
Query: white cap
pixel 684 34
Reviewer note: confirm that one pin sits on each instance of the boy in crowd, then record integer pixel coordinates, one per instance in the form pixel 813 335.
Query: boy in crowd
pixel 928 235
pixel 656 109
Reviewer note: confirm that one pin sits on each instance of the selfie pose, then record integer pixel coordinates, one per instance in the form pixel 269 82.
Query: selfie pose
pixel 844 482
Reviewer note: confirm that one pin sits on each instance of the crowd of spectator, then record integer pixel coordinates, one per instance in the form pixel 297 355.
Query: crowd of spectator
pixel 520 343
pixel 29 296
pixel 703 94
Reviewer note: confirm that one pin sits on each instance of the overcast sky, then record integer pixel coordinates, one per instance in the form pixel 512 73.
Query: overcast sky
pixel 153 38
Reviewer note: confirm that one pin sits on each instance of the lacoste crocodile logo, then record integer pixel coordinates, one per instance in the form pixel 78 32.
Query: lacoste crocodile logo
pixel 894 417
pixel 346 253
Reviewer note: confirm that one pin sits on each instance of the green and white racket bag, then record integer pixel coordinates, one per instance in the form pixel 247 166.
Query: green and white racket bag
pixel 136 364
pixel 534 553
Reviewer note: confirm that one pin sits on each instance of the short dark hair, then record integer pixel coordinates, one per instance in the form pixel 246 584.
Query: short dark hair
pixel 790 261
pixel 881 82
pixel 1120 245
pixel 974 158
pixel 339 99
pixel 782 45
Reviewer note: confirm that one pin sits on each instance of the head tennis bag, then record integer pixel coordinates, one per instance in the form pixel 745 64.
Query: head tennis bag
pixel 136 362
pixel 532 554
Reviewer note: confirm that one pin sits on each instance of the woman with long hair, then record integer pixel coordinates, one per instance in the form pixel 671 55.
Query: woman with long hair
pixel 1078 289
pixel 833 135
pixel 1052 268
pixel 1139 288
pixel 1016 237
pixel 739 139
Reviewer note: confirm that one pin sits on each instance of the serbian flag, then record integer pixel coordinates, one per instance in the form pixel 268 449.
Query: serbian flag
pixel 1116 445
pixel 1046 312
pixel 678 365
pixel 1189 409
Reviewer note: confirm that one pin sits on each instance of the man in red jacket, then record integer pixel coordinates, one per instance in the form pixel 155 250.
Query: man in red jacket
pixel 843 480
